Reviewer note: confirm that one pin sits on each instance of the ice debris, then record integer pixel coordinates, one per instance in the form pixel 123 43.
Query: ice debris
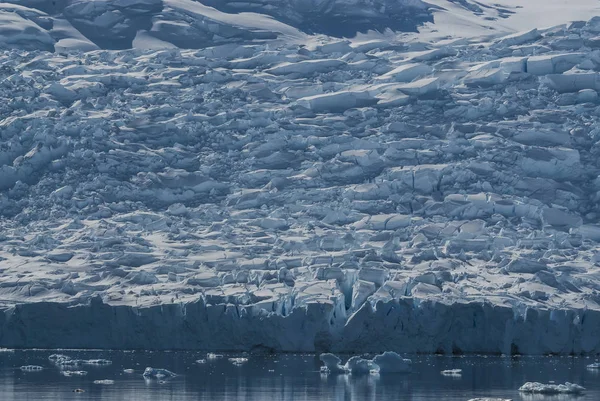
pixel 238 361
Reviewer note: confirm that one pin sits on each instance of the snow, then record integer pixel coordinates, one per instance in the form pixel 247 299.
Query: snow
pixel 539 388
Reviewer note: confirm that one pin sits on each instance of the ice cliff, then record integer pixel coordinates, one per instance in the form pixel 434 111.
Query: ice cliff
pixel 375 195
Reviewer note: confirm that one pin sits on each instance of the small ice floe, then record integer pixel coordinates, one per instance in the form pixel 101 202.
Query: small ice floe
pixel 128 371
pixel 79 390
pixel 388 362
pixel 31 368
pixel 70 373
pixel 200 361
pixel 211 355
pixel 105 381
pixel 452 372
pixel 238 361
pixel 101 362
pixel 595 365
pixel 540 388
pixel 154 373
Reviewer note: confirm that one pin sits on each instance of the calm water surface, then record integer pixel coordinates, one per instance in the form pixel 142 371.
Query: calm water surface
pixel 286 377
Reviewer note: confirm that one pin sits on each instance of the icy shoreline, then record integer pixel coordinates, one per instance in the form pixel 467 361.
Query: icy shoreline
pixel 403 327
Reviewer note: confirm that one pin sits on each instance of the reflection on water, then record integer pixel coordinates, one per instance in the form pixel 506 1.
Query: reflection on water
pixel 285 377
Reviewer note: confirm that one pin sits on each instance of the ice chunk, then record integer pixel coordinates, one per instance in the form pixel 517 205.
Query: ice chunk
pixel 337 101
pixel 332 363
pixel 101 362
pixel 129 371
pixel 31 368
pixel 70 373
pixel 391 362
pixel 560 218
pixel 407 72
pixel 576 82
pixel 155 373
pixel 485 77
pixel 104 381
pixel 307 68
pixel 238 361
pixel 211 355
pixel 595 365
pixel 361 291
pixel 358 366
pixel 587 96
pixel 420 87
pixel 452 372
pixel 518 38
pixel 553 63
pixel 539 388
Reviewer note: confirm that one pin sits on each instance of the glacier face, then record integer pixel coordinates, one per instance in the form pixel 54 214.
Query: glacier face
pixel 344 195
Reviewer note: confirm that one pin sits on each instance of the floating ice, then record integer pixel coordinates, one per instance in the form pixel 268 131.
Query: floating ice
pixel 595 365
pixel 391 362
pixel 490 399
pixel 539 388
pixel 104 381
pixel 332 363
pixel 101 362
pixel 358 366
pixel 128 371
pixel 31 368
pixel 211 355
pixel 154 373
pixel 69 373
pixel 452 372
pixel 237 361
pixel 388 362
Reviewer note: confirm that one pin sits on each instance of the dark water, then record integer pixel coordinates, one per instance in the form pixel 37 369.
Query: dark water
pixel 286 377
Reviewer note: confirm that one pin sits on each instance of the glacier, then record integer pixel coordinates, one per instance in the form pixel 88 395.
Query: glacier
pixel 174 175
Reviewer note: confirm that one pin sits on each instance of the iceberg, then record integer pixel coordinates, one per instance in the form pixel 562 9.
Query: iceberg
pixel 539 388
pixel 154 373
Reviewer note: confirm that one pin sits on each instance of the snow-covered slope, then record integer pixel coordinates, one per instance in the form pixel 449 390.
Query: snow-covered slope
pixel 374 194
pixel 121 24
